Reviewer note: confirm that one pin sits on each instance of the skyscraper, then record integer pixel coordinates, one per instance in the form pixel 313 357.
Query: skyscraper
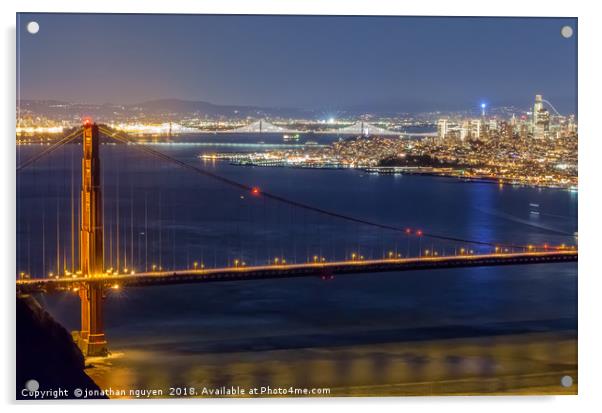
pixel 475 129
pixel 537 107
pixel 541 119
pixel 442 127
pixel 464 130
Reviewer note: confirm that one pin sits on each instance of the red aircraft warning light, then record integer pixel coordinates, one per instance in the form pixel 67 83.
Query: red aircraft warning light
pixel 87 121
pixel 408 231
pixel 419 232
pixel 255 191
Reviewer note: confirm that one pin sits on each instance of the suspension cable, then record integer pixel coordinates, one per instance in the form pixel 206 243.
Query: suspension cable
pixel 50 149
pixel 124 138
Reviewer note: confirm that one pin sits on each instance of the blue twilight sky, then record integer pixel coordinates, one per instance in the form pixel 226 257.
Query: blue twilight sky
pixel 324 62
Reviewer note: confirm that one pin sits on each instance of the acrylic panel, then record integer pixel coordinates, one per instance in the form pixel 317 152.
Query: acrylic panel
pixel 295 206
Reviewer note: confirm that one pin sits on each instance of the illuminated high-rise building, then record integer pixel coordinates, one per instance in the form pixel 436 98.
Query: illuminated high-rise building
pixel 524 131
pixel 506 130
pixel 442 129
pixel 571 126
pixel 541 119
pixel 537 107
pixel 464 129
pixel 475 129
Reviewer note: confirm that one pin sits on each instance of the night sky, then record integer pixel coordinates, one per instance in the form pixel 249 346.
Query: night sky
pixel 391 63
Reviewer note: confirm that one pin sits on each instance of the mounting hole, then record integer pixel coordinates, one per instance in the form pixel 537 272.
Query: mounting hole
pixel 33 27
pixel 32 385
pixel 566 32
pixel 566 381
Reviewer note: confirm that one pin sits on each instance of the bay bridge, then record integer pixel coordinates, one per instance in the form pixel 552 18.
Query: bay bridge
pixel 360 128
pixel 96 262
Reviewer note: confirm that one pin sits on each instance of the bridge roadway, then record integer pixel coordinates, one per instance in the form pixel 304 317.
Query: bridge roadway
pixel 320 132
pixel 321 269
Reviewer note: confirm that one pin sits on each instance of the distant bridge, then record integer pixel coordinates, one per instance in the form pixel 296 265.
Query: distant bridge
pixel 551 106
pixel 358 128
pixel 260 126
pixel 237 145
pixel 365 129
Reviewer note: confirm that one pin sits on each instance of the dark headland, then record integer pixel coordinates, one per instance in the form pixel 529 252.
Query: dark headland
pixel 47 354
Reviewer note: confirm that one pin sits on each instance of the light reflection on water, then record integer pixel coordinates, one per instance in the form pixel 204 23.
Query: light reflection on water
pixel 505 364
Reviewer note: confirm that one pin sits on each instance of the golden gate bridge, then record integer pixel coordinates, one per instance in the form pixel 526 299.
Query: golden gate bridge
pixel 89 276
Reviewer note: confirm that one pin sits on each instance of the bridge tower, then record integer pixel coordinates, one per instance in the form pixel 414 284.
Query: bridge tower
pixel 91 258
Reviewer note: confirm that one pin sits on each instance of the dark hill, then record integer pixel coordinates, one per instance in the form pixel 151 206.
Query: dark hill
pixel 46 352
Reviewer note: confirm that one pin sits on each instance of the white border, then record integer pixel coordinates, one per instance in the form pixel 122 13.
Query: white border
pixel 590 201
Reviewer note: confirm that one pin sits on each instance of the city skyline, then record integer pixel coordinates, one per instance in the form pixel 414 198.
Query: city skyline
pixel 305 62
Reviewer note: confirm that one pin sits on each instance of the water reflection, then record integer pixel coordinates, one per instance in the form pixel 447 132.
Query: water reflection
pixel 502 364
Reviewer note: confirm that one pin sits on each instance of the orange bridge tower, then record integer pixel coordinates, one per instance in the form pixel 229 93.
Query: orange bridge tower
pixel 91 257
